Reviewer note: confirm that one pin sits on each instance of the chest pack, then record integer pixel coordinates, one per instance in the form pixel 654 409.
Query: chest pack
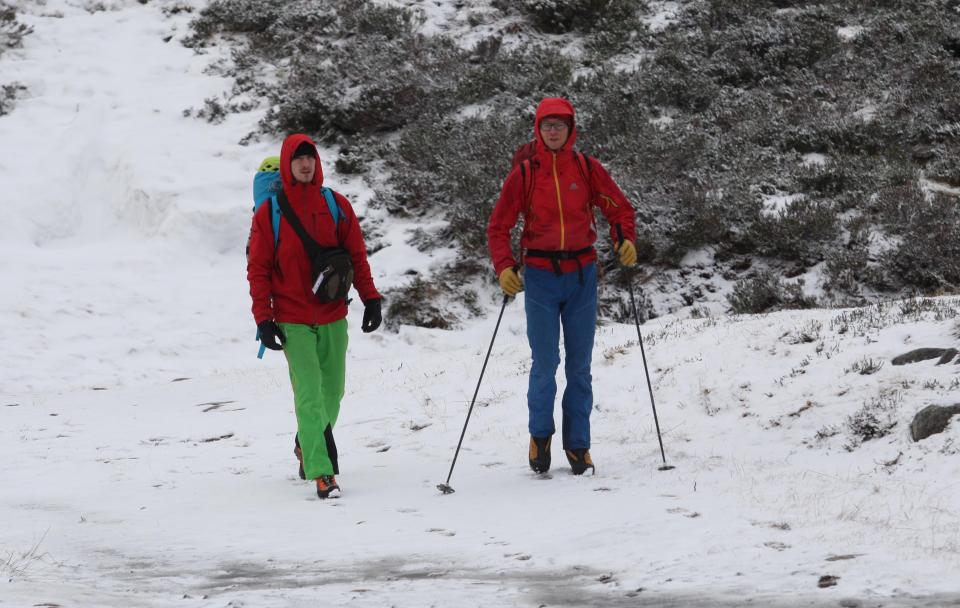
pixel 332 267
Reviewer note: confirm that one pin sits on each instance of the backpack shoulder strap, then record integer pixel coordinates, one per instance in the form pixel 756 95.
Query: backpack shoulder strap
pixel 334 208
pixel 585 167
pixel 526 183
pixel 275 219
pixel 331 204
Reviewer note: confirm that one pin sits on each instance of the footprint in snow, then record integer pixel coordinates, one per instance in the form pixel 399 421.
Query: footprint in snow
pixel 441 532
pixel 838 558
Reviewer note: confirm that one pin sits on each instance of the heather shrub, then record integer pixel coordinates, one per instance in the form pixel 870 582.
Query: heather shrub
pixel 754 52
pixel 796 232
pixel 928 252
pixel 463 162
pixel 276 29
pixel 370 85
pixel 559 16
pixel 875 419
pixel 8 96
pixel 440 302
pixel 700 219
pixel 765 291
pixel 12 31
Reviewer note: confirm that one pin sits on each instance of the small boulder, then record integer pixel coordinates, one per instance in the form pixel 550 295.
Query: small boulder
pixel 948 356
pixel 931 420
pixel 921 354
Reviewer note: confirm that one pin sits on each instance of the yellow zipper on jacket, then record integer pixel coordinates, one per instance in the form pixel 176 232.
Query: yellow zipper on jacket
pixel 556 181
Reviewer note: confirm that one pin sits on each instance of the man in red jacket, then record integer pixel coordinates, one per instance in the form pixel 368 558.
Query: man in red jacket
pixel 290 317
pixel 556 191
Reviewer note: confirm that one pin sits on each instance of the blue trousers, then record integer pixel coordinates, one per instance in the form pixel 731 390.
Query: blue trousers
pixel 552 301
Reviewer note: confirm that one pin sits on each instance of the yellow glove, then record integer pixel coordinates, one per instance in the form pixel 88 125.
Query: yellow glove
pixel 628 253
pixel 510 282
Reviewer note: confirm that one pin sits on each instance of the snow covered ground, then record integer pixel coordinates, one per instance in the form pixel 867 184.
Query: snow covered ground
pixel 146 454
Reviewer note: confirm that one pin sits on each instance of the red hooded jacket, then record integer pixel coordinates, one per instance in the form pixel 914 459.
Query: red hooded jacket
pixel 280 279
pixel 560 214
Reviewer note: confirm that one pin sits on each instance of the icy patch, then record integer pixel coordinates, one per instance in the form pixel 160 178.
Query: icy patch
pixel 850 32
pixel 475 110
pixel 664 14
pixel 881 243
pixel 866 113
pixel 815 159
pixel 778 203
pixel 699 257
pixel 929 185
pixel 662 121
pixel 813 280
pixel 665 119
pixel 630 63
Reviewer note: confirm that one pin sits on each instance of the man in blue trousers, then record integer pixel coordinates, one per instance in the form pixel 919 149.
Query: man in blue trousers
pixel 555 189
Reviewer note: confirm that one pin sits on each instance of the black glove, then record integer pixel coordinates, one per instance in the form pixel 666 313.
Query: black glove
pixel 371 315
pixel 270 333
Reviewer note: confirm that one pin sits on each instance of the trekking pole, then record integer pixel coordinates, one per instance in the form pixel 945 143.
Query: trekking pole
pixel 636 319
pixel 445 487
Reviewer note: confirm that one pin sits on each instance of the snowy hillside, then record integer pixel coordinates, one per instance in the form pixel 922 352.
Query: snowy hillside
pixel 146 454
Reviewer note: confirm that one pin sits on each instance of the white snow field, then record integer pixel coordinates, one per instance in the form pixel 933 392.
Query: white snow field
pixel 146 454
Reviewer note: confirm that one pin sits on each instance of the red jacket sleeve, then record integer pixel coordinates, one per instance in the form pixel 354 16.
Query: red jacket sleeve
pixel 352 240
pixel 260 261
pixel 503 219
pixel 612 203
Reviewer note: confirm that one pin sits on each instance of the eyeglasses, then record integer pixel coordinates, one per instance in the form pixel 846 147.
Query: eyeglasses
pixel 553 125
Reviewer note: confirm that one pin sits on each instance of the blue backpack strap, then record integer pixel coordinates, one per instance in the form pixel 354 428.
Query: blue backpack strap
pixel 331 204
pixel 275 219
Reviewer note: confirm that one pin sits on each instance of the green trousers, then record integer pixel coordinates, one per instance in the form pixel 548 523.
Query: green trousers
pixel 317 358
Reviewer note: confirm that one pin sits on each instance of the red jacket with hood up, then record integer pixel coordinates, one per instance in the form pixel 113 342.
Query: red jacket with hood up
pixel 280 279
pixel 560 214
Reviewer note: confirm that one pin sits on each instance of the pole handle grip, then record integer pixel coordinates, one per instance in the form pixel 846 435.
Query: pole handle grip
pixel 506 298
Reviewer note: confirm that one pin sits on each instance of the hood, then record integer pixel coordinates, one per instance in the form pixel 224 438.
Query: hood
pixel 290 145
pixel 555 106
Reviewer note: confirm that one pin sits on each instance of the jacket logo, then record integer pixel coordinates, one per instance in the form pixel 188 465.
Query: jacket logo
pixel 573 186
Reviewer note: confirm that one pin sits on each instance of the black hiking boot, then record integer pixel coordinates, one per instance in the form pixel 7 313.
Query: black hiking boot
pixel 540 454
pixel 580 461
pixel 327 484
